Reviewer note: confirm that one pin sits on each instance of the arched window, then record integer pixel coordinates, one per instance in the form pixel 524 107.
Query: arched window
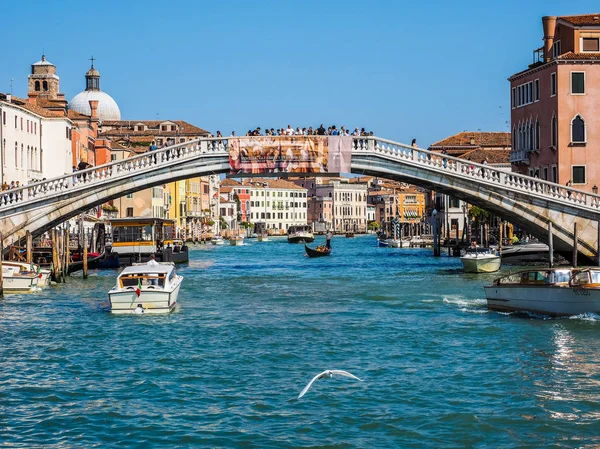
pixel 45 86
pixel 28 157
pixel 16 155
pixel 22 156
pixel 531 135
pixel 537 134
pixel 554 132
pixel 37 86
pixel 578 130
pixel 514 139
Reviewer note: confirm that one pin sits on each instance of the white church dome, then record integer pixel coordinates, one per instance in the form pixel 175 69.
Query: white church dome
pixel 107 107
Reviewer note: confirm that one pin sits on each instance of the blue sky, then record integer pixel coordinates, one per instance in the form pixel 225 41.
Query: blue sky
pixel 424 69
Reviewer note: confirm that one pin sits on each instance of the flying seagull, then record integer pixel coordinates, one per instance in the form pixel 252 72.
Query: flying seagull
pixel 327 373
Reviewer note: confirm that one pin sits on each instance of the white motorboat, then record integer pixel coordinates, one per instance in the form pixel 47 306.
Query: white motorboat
pixel 395 243
pixel 526 253
pixel 236 240
pixel 217 240
pixel 146 288
pixel 480 260
pixel 31 268
pixel 547 291
pixel 300 234
pixel 263 237
pixel 14 280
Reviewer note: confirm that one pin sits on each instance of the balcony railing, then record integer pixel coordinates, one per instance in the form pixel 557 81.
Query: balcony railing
pixel 519 156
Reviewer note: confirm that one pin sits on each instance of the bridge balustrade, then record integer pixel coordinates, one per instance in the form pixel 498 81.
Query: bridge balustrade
pixel 84 178
pixel 481 172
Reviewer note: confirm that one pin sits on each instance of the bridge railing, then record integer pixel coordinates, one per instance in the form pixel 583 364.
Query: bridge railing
pixel 481 172
pixel 84 178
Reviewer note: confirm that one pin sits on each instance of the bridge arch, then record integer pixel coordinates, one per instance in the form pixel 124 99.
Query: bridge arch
pixel 529 202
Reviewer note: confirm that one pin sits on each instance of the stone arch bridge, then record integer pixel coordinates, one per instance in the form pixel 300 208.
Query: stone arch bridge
pixel 528 202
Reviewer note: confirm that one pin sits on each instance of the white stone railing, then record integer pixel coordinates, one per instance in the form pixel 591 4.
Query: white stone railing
pixel 83 179
pixel 380 148
pixel 481 173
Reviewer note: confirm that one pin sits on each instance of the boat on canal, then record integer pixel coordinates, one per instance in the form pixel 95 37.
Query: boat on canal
pixel 319 251
pixel 479 259
pixel 300 234
pixel 29 268
pixel 16 281
pixel 383 242
pixel 547 291
pixel 146 288
pixel 135 239
pixel 525 253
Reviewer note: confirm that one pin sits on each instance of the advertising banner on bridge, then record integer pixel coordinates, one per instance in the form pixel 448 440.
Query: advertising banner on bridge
pixel 289 155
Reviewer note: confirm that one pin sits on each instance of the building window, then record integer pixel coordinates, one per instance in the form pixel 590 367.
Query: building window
pixel 554 132
pixel 578 174
pixel 536 90
pixel 553 84
pixel 129 212
pixel 578 83
pixel 45 86
pixel 37 86
pixel 590 44
pixel 556 50
pixel 578 130
pixel 537 134
pixel 113 157
pixel 554 174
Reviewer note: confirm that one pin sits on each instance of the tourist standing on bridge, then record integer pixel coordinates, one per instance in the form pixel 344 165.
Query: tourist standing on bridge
pixel 321 131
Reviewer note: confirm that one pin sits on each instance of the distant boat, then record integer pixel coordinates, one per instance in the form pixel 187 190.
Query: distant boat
pixel 554 292
pixel 523 253
pixel 319 251
pixel 394 243
pixel 349 235
pixel 480 260
pixel 236 240
pixel 383 243
pixel 217 240
pixel 263 237
pixel 300 234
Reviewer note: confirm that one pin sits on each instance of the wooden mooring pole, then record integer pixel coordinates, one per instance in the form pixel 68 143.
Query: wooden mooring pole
pixel 67 253
pixel 29 247
pixel 550 246
pixel 500 225
pixel 575 245
pixel 85 253
pixel 55 255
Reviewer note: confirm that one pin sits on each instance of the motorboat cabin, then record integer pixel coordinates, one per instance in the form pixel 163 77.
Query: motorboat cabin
pixel 300 234
pixel 151 288
pixel 135 239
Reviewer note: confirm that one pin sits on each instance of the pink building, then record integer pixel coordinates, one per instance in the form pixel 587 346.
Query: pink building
pixel 555 105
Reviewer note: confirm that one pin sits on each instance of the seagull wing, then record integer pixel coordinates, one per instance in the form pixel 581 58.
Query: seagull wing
pixel 344 373
pixel 318 376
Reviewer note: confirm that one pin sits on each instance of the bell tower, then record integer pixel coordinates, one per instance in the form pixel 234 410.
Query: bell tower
pixel 43 81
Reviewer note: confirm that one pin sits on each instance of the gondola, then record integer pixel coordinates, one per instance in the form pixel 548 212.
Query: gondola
pixel 310 252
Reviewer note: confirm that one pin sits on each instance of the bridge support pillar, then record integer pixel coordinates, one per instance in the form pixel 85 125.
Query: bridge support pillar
pixel 1 258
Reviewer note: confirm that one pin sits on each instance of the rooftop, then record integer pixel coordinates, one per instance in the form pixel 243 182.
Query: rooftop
pixel 585 19
pixel 473 139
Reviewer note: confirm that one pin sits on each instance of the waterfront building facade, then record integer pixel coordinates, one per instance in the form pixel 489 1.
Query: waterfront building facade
pixel 35 142
pixel 275 204
pixel 340 204
pixel 555 113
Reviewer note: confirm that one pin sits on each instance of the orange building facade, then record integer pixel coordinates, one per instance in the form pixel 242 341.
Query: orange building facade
pixel 555 105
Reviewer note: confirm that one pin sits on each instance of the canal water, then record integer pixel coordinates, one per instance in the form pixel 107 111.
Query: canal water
pixel 256 322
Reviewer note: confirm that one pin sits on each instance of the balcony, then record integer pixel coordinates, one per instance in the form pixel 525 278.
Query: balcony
pixel 519 156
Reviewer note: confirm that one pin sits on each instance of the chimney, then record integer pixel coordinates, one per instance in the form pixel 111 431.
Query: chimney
pixel 8 98
pixel 549 25
pixel 94 108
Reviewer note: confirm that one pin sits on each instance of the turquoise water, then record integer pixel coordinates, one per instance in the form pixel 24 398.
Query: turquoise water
pixel 255 323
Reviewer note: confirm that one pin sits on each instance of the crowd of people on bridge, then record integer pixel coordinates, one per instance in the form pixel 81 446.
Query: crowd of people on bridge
pixel 310 131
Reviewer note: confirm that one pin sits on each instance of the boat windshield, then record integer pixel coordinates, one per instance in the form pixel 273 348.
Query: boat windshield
pixel 134 280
